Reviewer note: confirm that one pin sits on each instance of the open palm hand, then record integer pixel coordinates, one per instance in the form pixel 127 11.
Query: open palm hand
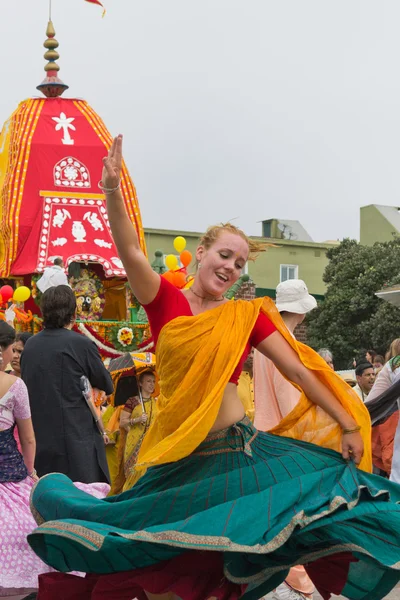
pixel 112 164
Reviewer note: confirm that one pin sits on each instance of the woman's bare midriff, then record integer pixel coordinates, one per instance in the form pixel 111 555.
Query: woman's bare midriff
pixel 231 410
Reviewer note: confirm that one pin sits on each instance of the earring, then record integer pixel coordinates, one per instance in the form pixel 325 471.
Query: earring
pixel 199 267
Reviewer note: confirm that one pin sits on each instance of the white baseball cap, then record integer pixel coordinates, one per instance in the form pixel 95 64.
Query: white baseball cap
pixel 292 296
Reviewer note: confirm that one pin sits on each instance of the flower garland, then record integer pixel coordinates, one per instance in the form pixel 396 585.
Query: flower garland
pixel 105 348
pixel 146 345
pixel 125 337
pixel 36 293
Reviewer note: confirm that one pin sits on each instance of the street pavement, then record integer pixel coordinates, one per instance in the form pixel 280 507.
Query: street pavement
pixel 394 595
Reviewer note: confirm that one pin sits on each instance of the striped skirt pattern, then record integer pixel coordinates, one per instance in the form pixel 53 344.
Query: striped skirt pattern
pixel 241 510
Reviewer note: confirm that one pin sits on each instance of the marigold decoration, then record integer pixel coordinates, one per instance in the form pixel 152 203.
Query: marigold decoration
pixel 36 293
pixel 125 336
pixel 106 349
pixel 20 315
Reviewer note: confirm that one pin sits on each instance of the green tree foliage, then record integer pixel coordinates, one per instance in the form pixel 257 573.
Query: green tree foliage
pixel 351 318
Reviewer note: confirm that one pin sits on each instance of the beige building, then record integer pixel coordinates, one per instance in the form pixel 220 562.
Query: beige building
pixel 295 257
pixel 379 223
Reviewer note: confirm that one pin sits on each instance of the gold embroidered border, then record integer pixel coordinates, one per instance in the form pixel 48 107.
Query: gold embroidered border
pixel 221 543
pixel 269 571
pixel 83 535
pixel 62 194
pixel 172 538
pixel 33 112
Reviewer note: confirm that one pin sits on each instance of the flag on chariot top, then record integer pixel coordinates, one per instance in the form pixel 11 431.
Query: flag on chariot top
pixel 99 4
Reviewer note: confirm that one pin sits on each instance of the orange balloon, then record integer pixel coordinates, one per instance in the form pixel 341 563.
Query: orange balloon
pixel 179 280
pixel 186 258
pixel 169 276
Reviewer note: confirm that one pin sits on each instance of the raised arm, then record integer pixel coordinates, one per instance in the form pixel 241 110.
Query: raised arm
pixel 285 358
pixel 143 280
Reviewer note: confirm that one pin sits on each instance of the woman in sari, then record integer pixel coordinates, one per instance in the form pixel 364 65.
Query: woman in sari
pixel 19 566
pixel 386 435
pixel 136 417
pixel 222 510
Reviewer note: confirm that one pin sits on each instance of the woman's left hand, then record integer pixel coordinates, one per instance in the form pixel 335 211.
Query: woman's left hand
pixel 34 475
pixel 352 447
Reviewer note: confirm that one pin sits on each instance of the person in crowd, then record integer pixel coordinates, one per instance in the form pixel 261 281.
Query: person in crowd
pixel 276 397
pixel 18 570
pixel 365 375
pixel 221 509
pixel 246 386
pixel 383 435
pixel 19 566
pixel 18 348
pixel 136 418
pixel 370 356
pixel 378 363
pixel 53 276
pixel 327 356
pixel 53 363
pixel 394 350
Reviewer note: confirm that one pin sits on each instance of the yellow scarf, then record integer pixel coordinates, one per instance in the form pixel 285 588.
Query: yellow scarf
pixel 196 357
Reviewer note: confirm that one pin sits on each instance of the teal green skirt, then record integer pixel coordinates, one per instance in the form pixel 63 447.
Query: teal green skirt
pixel 259 502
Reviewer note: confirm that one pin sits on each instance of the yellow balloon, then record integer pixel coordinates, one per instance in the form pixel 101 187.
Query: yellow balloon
pixel 171 261
pixel 179 244
pixel 22 294
pixel 189 283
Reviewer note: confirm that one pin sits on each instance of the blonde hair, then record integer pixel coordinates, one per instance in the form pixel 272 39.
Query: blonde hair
pixel 213 232
pixel 394 349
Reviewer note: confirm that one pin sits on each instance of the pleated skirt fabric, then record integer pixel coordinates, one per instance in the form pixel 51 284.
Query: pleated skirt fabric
pixel 243 509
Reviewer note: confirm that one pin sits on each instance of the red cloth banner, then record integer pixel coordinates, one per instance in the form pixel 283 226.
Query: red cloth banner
pixel 98 3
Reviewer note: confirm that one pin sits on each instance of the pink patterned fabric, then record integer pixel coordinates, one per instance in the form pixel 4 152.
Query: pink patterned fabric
pixel 19 565
pixel 14 405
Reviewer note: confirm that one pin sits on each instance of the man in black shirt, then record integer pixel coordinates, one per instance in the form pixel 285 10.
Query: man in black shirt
pixel 53 362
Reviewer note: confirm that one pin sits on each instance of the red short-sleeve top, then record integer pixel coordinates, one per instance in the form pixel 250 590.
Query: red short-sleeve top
pixel 171 303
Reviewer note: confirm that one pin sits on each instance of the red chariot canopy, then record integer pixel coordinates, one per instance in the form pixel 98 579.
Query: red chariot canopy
pixel 51 154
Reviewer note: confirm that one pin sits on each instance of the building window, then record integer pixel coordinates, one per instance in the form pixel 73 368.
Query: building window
pixel 266 229
pixel 289 272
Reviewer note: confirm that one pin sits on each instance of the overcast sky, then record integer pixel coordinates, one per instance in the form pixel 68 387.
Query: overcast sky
pixel 231 109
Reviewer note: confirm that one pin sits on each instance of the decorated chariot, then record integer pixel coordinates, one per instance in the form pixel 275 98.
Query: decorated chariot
pixel 51 152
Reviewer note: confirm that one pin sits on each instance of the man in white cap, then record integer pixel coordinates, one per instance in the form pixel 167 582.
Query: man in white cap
pixel 275 397
pixel 53 276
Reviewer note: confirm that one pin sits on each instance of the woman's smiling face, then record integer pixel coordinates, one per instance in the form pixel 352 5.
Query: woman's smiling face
pixel 221 265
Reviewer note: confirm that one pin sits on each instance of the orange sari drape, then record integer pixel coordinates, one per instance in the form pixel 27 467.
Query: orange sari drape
pixel 196 357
